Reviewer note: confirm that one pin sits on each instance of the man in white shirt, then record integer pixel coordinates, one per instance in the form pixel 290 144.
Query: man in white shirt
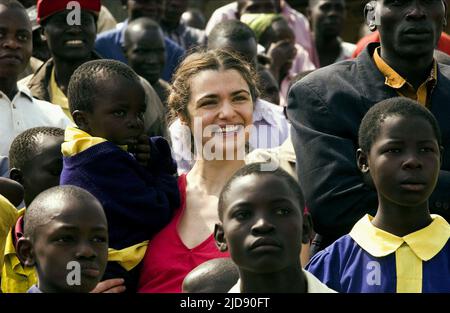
pixel 18 109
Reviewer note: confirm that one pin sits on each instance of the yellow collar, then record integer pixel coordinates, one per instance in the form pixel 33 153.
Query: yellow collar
pixel 393 79
pixel 426 242
pixel 76 141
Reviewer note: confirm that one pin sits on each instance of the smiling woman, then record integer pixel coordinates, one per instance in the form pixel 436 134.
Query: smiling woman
pixel 213 94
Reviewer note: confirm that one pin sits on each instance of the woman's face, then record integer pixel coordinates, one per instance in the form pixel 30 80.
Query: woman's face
pixel 220 113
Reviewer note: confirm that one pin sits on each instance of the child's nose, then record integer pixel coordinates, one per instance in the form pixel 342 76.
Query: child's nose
pixel 85 250
pixel 412 161
pixel 262 225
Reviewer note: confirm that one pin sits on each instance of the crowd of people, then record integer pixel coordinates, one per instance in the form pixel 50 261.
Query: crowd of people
pixel 254 151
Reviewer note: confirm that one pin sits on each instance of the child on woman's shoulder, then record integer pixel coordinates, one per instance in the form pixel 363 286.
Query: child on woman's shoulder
pixel 109 155
pixel 403 248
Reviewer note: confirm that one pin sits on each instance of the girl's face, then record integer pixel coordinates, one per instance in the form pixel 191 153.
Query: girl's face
pixel 220 113
pixel 404 163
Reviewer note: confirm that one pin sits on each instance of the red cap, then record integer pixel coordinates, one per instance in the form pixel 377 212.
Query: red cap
pixel 46 8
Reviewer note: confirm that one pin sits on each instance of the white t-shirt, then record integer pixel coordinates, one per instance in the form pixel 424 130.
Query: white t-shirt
pixel 25 112
pixel 314 285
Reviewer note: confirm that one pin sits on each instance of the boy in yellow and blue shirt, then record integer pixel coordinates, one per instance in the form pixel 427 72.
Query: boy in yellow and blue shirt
pixel 108 154
pixel 403 248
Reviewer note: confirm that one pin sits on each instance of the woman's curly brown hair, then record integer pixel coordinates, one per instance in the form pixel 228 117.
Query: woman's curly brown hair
pixel 180 91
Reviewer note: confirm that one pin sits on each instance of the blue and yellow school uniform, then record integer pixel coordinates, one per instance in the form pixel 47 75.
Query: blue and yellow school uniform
pixel 371 260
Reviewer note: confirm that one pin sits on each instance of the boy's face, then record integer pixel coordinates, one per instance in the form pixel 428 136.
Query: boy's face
pixel 76 231
pixel 262 224
pixel 404 161
pixel 146 53
pixel 44 169
pixel 70 41
pixel 15 41
pixel 409 28
pixel 118 111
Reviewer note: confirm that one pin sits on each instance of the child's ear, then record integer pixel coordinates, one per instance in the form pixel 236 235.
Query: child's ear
pixel 362 161
pixel 219 236
pixel 25 252
pixel 16 174
pixel 307 228
pixel 81 119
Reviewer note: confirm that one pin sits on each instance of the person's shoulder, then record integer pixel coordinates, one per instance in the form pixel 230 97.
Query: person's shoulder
pixel 329 75
pixel 266 105
pixel 337 249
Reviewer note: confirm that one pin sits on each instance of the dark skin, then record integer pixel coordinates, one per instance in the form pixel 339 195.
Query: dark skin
pixel 145 8
pixel 173 9
pixel 263 228
pixel 409 32
pixel 404 165
pixel 269 86
pixel 245 47
pixel 279 41
pixel 74 230
pixel 69 45
pixel 15 47
pixel 43 170
pixel 145 51
pixel 11 190
pixel 118 116
pixel 327 20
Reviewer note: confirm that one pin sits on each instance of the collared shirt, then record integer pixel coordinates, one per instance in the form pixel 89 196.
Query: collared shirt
pixel 410 250
pixel 25 112
pixel 57 96
pixel 372 260
pixel 271 130
pixel 296 20
pixel 109 45
pixel 313 285
pixel 403 88
pixel 185 36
